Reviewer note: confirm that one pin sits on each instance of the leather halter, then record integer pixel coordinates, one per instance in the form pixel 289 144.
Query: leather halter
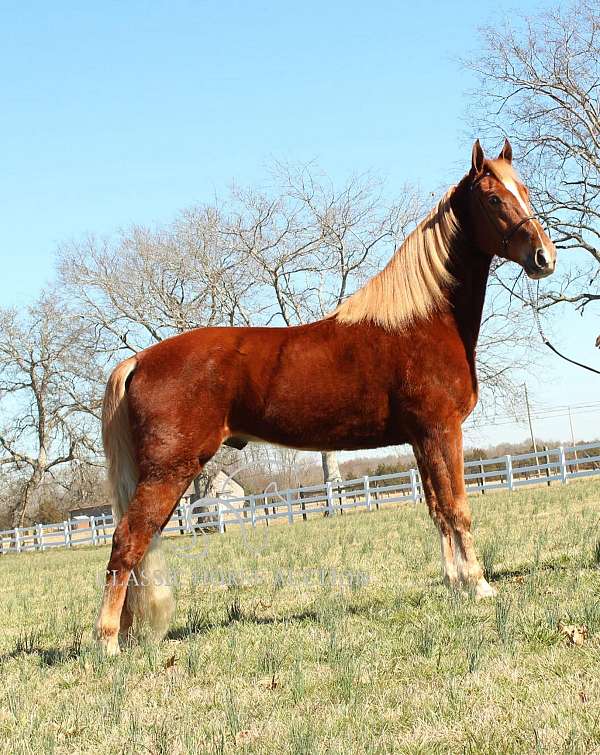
pixel 511 232
pixel 504 237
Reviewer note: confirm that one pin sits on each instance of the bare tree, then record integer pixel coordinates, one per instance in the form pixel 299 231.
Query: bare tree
pixel 539 82
pixel 48 395
pixel 146 285
pixel 310 243
pixel 272 468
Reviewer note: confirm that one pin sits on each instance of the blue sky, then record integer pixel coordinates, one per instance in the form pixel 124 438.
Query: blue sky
pixel 116 113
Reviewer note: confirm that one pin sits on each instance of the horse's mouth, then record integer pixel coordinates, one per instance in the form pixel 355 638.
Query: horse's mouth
pixel 535 272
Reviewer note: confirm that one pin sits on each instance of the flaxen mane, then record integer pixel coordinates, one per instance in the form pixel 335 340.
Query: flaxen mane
pixel 414 283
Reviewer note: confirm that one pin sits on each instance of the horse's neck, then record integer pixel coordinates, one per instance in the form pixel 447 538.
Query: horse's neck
pixel 468 296
pixel 472 269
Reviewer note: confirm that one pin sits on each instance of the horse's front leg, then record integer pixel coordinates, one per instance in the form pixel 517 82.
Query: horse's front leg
pixel 443 527
pixel 441 453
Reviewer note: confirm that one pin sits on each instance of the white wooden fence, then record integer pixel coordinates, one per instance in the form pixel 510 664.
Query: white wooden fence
pixel 216 514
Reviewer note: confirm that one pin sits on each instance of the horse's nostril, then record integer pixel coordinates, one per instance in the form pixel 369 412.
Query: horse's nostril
pixel 541 258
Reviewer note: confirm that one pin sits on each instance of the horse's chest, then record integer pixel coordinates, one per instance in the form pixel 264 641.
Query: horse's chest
pixel 440 380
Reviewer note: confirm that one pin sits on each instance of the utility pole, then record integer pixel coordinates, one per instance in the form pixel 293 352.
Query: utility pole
pixel 573 438
pixel 529 419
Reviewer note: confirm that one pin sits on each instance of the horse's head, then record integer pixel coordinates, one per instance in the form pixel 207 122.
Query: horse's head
pixel 503 221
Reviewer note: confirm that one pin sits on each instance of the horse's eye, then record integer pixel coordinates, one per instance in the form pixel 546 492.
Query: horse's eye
pixel 494 200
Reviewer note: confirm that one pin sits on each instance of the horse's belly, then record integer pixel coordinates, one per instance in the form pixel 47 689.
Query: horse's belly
pixel 320 420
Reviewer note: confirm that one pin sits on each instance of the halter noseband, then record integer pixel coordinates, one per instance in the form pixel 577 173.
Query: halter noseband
pixel 508 236
pixel 504 237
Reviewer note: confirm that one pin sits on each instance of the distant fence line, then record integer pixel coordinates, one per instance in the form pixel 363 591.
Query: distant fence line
pixel 216 514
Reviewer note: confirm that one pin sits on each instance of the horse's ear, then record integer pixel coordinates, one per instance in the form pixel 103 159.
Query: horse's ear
pixel 477 158
pixel 506 152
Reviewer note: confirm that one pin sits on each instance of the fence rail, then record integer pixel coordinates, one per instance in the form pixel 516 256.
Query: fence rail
pixel 557 465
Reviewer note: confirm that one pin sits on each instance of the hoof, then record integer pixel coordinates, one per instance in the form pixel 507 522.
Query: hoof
pixel 484 590
pixel 108 642
pixel 110 646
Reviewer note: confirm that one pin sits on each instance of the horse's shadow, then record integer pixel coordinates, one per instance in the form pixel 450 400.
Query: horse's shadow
pixel 57 656
pixel 528 570
pixel 184 632
pixel 52 656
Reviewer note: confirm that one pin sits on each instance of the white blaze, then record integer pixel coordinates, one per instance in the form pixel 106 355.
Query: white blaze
pixel 512 187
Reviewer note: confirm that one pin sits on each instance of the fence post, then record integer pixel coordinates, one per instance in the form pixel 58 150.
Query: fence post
pixel 266 508
pixel 547 456
pixel 67 533
pixel 40 535
pixel 367 492
pixel 509 473
pixel 414 492
pixel 329 511
pixel 253 511
pixel 188 519
pixel 220 521
pixel 93 529
pixel 288 498
pixel 482 473
pixel 563 465
pixel 179 512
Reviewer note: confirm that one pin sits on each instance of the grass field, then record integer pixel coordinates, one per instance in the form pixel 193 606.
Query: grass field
pixel 329 636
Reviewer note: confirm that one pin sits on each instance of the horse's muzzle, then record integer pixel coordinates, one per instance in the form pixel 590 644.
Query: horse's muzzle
pixel 539 264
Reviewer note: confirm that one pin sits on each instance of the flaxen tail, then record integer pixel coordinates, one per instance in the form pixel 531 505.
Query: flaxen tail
pixel 149 596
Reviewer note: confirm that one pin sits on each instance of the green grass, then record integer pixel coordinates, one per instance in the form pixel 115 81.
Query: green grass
pixel 364 653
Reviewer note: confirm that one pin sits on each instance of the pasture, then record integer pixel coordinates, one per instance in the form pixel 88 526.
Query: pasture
pixel 330 636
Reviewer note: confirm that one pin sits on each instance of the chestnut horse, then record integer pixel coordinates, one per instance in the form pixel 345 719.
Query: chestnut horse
pixel 393 364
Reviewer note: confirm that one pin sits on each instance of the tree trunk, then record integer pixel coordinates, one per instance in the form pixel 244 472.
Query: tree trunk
pixel 331 469
pixel 201 486
pixel 29 490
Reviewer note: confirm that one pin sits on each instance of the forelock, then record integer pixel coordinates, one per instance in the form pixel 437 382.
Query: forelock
pixel 503 171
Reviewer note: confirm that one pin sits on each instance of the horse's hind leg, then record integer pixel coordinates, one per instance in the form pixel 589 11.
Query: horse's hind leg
pixel 126 621
pixel 443 455
pixel 148 512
